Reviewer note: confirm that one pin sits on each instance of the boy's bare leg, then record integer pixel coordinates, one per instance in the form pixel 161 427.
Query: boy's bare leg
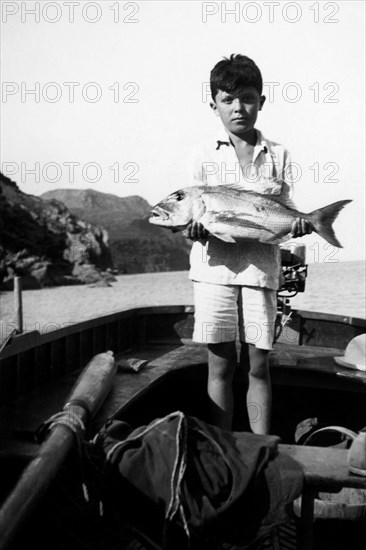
pixel 259 395
pixel 222 361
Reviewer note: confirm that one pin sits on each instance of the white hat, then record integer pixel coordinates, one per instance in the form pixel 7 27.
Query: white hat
pixel 355 354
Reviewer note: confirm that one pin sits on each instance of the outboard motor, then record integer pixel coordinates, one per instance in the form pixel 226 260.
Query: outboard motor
pixel 294 273
pixel 294 270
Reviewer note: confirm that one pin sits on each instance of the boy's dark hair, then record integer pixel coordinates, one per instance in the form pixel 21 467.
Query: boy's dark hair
pixel 234 73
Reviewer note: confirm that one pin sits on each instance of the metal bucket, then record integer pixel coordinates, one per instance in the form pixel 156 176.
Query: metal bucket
pixel 347 504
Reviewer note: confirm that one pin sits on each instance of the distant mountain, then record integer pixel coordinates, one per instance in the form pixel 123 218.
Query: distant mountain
pixel 46 244
pixel 101 208
pixel 136 245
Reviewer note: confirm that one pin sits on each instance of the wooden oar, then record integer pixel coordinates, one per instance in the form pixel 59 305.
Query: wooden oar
pixel 87 395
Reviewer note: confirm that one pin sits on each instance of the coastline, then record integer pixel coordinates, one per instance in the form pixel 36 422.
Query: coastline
pixel 330 288
pixel 52 308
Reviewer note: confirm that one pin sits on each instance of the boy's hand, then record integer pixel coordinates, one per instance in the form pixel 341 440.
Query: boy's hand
pixel 196 232
pixel 301 227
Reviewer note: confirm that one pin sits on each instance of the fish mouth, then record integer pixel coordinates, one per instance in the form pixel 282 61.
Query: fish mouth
pixel 159 212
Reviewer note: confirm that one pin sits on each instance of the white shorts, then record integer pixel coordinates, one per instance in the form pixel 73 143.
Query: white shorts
pixel 221 309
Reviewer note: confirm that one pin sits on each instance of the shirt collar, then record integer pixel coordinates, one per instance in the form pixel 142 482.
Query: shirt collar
pixel 260 146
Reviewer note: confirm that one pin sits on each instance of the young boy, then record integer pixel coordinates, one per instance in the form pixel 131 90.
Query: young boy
pixel 235 284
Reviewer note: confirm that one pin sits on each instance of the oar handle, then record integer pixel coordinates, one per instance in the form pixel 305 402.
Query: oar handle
pixel 93 384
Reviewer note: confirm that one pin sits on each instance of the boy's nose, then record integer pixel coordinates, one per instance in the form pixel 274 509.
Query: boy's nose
pixel 239 106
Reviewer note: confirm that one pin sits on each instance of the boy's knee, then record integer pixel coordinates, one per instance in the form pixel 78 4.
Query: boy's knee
pixel 222 360
pixel 258 362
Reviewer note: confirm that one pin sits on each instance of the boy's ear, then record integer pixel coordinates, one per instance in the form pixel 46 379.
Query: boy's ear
pixel 214 108
pixel 261 102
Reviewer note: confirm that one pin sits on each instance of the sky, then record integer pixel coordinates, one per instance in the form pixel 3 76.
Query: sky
pixel 112 96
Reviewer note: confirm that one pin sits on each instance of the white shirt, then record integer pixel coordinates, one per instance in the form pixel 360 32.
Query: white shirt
pixel 246 263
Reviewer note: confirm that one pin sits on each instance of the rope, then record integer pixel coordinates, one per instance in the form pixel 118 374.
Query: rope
pixel 74 423
pixel 64 418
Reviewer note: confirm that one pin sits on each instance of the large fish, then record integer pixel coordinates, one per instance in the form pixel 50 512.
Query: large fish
pixel 232 214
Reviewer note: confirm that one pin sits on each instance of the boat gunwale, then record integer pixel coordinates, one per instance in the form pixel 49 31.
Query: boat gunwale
pixel 314 460
pixel 29 340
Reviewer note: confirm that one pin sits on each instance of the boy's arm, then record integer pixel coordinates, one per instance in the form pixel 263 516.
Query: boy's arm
pixel 300 226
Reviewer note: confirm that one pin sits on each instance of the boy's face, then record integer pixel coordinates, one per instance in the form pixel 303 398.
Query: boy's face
pixel 238 112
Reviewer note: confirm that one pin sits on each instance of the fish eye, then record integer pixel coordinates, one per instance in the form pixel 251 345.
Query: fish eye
pixel 179 195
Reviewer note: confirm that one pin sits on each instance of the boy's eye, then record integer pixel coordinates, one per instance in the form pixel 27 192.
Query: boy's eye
pixel 249 99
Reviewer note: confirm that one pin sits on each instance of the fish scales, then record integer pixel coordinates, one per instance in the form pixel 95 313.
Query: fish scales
pixel 231 214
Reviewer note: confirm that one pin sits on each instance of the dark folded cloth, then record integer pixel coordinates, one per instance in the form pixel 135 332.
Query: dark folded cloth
pixel 231 487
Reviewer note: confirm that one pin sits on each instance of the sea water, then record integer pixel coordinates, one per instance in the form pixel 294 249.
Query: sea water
pixel 333 287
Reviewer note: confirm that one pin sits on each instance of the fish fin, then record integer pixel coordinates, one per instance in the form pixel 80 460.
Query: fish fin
pixel 232 218
pixel 224 215
pixel 281 199
pixel 213 189
pixel 235 186
pixel 323 218
pixel 277 239
pixel 228 215
pixel 285 201
pixel 225 238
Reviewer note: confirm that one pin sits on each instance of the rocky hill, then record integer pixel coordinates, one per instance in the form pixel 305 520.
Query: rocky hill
pixel 46 244
pixel 136 245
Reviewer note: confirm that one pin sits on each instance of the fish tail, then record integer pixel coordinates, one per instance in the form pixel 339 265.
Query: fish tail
pixel 323 218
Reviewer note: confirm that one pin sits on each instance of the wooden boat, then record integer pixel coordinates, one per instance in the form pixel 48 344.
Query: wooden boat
pixel 37 372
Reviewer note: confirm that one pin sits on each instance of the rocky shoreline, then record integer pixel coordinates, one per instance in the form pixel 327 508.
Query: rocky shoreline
pixel 80 236
pixel 41 241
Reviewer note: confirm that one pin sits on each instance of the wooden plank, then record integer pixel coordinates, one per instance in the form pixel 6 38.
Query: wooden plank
pixel 72 352
pixel 100 339
pixel 58 357
pixel 112 337
pixel 18 304
pixel 26 341
pixel 26 372
pixel 90 389
pixel 304 356
pixel 20 418
pixel 306 527
pixel 137 331
pixel 169 328
pixel 323 331
pixel 20 343
pixel 325 468
pixel 312 363
pixel 162 359
pixel 344 319
pixel 124 339
pixel 86 345
pixel 42 364
pixel 8 379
